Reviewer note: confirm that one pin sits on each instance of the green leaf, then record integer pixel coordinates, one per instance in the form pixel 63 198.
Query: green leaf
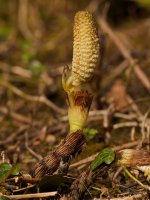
pixel 90 133
pixel 15 170
pixel 105 156
pixel 5 169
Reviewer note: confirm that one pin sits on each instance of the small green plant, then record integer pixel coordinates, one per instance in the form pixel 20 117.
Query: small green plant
pixel 90 133
pixel 6 170
pixel 106 156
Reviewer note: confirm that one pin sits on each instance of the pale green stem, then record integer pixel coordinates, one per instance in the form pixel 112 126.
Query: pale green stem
pixel 136 180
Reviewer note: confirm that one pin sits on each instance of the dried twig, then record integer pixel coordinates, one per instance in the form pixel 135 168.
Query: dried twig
pixel 92 157
pixel 29 196
pixel 131 197
pixel 13 135
pixel 132 63
pixel 125 124
pixel 80 185
pixel 136 180
pixel 25 74
pixel 29 97
pixel 16 116
pixel 39 157
pixel 113 74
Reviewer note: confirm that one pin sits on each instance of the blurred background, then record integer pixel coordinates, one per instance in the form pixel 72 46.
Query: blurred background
pixel 36 42
pixel 42 30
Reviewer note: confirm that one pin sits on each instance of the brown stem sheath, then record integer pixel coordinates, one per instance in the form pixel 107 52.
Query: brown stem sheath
pixel 67 148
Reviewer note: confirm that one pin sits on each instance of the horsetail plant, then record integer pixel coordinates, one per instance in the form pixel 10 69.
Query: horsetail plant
pixel 137 159
pixel 75 83
pixel 85 60
pixel 107 159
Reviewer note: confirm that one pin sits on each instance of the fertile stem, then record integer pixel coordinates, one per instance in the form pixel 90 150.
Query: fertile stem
pixel 85 60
